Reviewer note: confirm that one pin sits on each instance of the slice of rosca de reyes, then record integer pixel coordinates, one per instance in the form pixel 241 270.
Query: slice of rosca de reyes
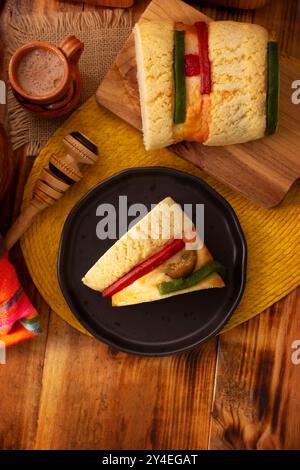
pixel 133 270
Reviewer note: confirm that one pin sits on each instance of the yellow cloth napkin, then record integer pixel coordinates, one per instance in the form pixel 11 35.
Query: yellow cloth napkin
pixel 272 234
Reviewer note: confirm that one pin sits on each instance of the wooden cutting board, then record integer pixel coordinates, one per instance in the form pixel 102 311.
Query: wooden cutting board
pixel 262 170
pixel 109 3
pixel 247 4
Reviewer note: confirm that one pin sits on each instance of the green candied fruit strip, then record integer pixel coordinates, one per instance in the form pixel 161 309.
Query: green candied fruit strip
pixel 179 78
pixel 272 88
pixel 190 281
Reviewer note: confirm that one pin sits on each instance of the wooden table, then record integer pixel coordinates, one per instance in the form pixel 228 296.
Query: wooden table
pixel 237 391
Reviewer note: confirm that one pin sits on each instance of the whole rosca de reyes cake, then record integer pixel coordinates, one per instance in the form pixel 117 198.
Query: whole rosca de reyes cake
pixel 215 83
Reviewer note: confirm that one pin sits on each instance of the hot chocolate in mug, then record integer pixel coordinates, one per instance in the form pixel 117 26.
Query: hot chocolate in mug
pixel 45 79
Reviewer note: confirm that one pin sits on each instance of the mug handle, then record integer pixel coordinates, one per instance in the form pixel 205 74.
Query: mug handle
pixel 72 48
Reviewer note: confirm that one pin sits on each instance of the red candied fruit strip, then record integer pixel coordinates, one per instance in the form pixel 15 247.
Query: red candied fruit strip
pixel 166 252
pixel 204 62
pixel 191 65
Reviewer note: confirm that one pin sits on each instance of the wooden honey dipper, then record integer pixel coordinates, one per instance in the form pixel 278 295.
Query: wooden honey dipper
pixel 62 172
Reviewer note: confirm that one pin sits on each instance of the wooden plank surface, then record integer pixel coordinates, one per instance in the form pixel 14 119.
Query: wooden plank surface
pixel 257 396
pixel 66 390
pixel 263 174
pixel 119 401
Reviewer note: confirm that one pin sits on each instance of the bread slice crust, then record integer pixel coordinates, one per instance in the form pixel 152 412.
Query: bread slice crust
pixel 154 42
pixel 238 55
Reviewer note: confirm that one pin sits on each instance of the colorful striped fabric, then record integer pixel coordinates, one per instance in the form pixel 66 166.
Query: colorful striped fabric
pixel 18 318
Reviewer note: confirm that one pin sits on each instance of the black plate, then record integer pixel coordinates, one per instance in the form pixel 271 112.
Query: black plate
pixel 166 326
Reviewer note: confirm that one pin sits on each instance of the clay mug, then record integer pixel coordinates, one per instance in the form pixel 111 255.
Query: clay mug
pixel 66 95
